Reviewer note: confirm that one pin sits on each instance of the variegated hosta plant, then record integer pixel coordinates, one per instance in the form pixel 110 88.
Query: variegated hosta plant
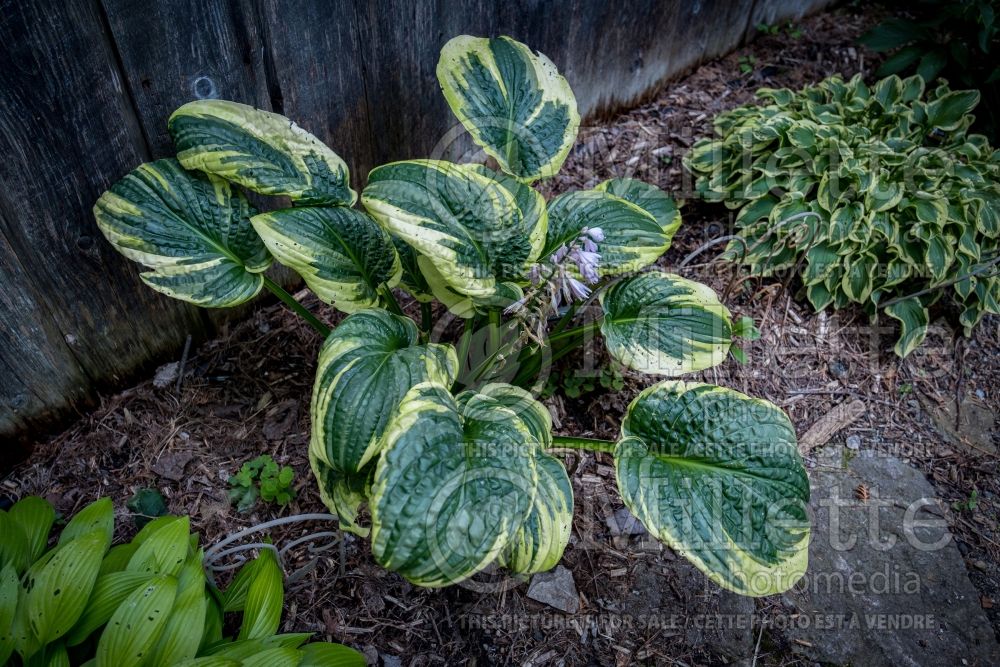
pixel 880 194
pixel 441 437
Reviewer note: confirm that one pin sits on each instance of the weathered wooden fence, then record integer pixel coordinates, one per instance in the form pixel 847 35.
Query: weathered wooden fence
pixel 86 87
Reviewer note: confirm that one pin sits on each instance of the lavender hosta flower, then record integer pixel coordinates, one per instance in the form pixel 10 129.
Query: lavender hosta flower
pixel 589 245
pixel 595 234
pixel 560 254
pixel 535 274
pixel 587 262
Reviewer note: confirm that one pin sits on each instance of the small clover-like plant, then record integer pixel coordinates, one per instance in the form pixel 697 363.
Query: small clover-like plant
pixel 442 439
pixel 261 478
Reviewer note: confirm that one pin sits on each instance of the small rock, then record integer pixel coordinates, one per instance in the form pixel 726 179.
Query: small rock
pixel 556 589
pixel 980 394
pixel 391 660
pixel 622 522
pixel 166 375
pixel 854 442
pixel 837 369
pixel 980 565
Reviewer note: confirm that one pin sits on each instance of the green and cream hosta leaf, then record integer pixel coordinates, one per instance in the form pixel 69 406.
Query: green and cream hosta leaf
pixel 343 493
pixel 663 324
pixel 463 306
pixel 514 103
pixel 344 256
pixel 412 279
pixel 469 226
pixel 638 224
pixel 541 540
pixel 913 322
pixel 262 151
pixel 455 483
pixel 366 366
pixel 529 201
pixel 190 228
pixel 717 476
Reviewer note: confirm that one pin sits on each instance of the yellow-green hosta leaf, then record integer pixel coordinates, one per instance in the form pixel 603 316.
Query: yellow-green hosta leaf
pixel 453 486
pixel 183 631
pixel 98 515
pixel 663 324
pixel 191 229
pixel 35 515
pixel 165 550
pixel 857 281
pixel 265 599
pixel 57 593
pixel 948 111
pixel 366 366
pixel 137 623
pixel 210 661
pixel 274 657
pixel 717 476
pixel 110 590
pixel 514 103
pixel 10 590
pixel 637 222
pixel 541 540
pixel 341 253
pixel 323 654
pixel 469 226
pixel 242 649
pixel 15 547
pixel 262 151
pixel 913 322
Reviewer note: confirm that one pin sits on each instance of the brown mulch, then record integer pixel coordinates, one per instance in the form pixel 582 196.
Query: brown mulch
pixel 247 393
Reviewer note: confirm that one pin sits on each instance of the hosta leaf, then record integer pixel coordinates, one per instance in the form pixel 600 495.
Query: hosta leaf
pixel 322 654
pixel 529 201
pixel 663 324
pixel 539 543
pixel 242 649
pixel 913 323
pixel 468 225
pixel 453 486
pixel 939 257
pixel 513 102
pixel 98 515
pixel 344 256
pixel 137 623
pixel 10 590
pixel 57 593
pixel 183 631
pixel 210 661
pixel 985 205
pixel 412 279
pixel 947 111
pixel 165 550
pixel 265 599
pixel 273 657
pixel 190 228
pixel 819 296
pixel 461 305
pixel 35 515
pixel 343 493
pixel 857 280
pixel 718 477
pixel 15 547
pixel 110 590
pixel 636 231
pixel 262 151
pixel 366 366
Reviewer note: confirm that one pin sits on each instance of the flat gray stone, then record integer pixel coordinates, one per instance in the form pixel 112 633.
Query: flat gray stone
pixel 623 522
pixel 555 588
pixel 886 583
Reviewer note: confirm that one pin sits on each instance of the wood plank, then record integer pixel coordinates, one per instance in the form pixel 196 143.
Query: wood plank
pixel 182 50
pixel 67 132
pixel 322 87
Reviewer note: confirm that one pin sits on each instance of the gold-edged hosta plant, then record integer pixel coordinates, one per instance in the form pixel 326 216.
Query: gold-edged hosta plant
pixel 144 603
pixel 878 195
pixel 434 430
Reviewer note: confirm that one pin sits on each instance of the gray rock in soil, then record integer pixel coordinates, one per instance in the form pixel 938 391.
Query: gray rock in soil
pixel 886 583
pixel 555 588
pixel 623 522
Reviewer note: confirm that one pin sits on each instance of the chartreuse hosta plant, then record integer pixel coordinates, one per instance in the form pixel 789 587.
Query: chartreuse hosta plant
pixel 144 603
pixel 880 194
pixel 444 443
